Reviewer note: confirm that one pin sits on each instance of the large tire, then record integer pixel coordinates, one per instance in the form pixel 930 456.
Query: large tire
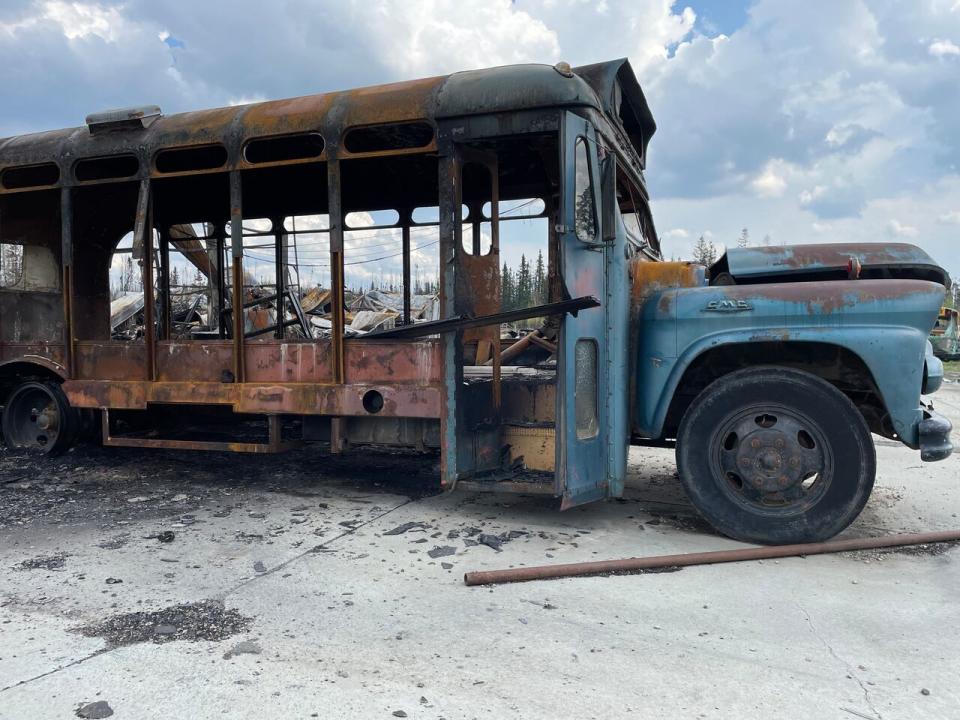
pixel 775 455
pixel 38 417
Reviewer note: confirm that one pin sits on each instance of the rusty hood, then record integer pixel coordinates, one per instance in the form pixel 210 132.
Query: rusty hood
pixel 835 261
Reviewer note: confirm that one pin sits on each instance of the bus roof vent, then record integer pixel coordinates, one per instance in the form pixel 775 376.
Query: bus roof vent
pixel 135 118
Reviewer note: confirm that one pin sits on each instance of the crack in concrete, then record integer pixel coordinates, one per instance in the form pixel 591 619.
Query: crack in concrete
pixel 221 595
pixel 72 663
pixel 310 551
pixel 850 670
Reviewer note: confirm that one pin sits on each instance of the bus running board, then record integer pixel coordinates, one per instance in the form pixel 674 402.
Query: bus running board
pixel 274 445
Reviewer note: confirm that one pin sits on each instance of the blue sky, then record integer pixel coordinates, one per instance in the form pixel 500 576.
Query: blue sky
pixel 719 16
pixel 810 121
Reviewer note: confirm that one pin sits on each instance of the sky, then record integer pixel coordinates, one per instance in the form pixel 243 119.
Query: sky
pixel 814 121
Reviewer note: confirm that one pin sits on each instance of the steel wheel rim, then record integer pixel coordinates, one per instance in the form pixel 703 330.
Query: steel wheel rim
pixel 33 419
pixel 771 459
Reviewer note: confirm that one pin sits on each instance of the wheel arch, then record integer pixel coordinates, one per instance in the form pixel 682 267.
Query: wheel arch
pixel 841 367
pixel 14 372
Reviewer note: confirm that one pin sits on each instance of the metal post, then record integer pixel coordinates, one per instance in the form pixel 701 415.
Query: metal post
pixel 236 249
pixel 406 219
pixel 220 235
pixel 450 233
pixel 338 434
pixel 336 269
pixel 476 217
pixel 213 279
pixel 166 306
pixel 280 267
pixel 66 249
pixel 149 300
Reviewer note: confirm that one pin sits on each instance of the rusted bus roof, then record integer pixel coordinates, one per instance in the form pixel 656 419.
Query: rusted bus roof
pixel 507 88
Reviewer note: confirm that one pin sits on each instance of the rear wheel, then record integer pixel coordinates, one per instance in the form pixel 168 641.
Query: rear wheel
pixel 38 417
pixel 775 455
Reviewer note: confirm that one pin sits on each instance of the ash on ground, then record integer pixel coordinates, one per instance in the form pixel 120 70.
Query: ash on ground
pixel 48 562
pixel 106 485
pixel 206 620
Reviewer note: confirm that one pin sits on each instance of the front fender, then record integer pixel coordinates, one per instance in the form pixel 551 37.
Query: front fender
pixel 884 322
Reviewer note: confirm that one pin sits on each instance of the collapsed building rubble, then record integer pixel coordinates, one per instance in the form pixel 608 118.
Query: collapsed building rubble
pixel 306 315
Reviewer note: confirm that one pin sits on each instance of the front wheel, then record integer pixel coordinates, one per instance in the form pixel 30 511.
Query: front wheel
pixel 774 455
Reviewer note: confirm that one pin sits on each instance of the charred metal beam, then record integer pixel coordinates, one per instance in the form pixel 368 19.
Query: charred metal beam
pixel 448 183
pixel 280 272
pixel 406 220
pixel 281 299
pixel 462 322
pixel 145 238
pixel 66 249
pixel 335 214
pixel 236 249
pixel 166 306
pixel 220 237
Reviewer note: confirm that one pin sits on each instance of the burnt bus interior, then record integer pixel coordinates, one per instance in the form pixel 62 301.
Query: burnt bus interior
pixel 508 385
pixel 241 238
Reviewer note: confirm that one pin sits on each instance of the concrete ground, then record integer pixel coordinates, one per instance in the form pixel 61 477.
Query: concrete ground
pixel 282 593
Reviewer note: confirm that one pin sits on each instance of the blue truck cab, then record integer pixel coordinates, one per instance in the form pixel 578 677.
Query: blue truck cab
pixel 771 368
pixel 768 371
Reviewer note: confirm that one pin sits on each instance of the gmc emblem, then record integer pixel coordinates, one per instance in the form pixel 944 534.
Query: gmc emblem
pixel 728 306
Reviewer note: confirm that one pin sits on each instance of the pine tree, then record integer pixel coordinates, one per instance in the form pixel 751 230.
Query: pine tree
pixel 767 240
pixel 744 239
pixel 539 281
pixel 507 292
pixel 704 252
pixel 524 283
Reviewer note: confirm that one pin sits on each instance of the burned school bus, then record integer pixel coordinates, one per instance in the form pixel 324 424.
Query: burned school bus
pixel 768 370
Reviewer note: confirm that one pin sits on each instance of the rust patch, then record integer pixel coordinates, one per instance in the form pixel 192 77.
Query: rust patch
pixel 829 297
pixel 400 400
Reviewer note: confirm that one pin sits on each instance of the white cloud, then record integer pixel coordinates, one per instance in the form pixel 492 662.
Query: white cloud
pixel 676 233
pixel 807 197
pixel 943 48
pixel 898 229
pixel 770 183
pixel 848 117
pixel 429 36
pixel 79 19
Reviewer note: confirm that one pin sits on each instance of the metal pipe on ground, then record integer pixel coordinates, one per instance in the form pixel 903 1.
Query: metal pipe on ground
pixel 600 567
